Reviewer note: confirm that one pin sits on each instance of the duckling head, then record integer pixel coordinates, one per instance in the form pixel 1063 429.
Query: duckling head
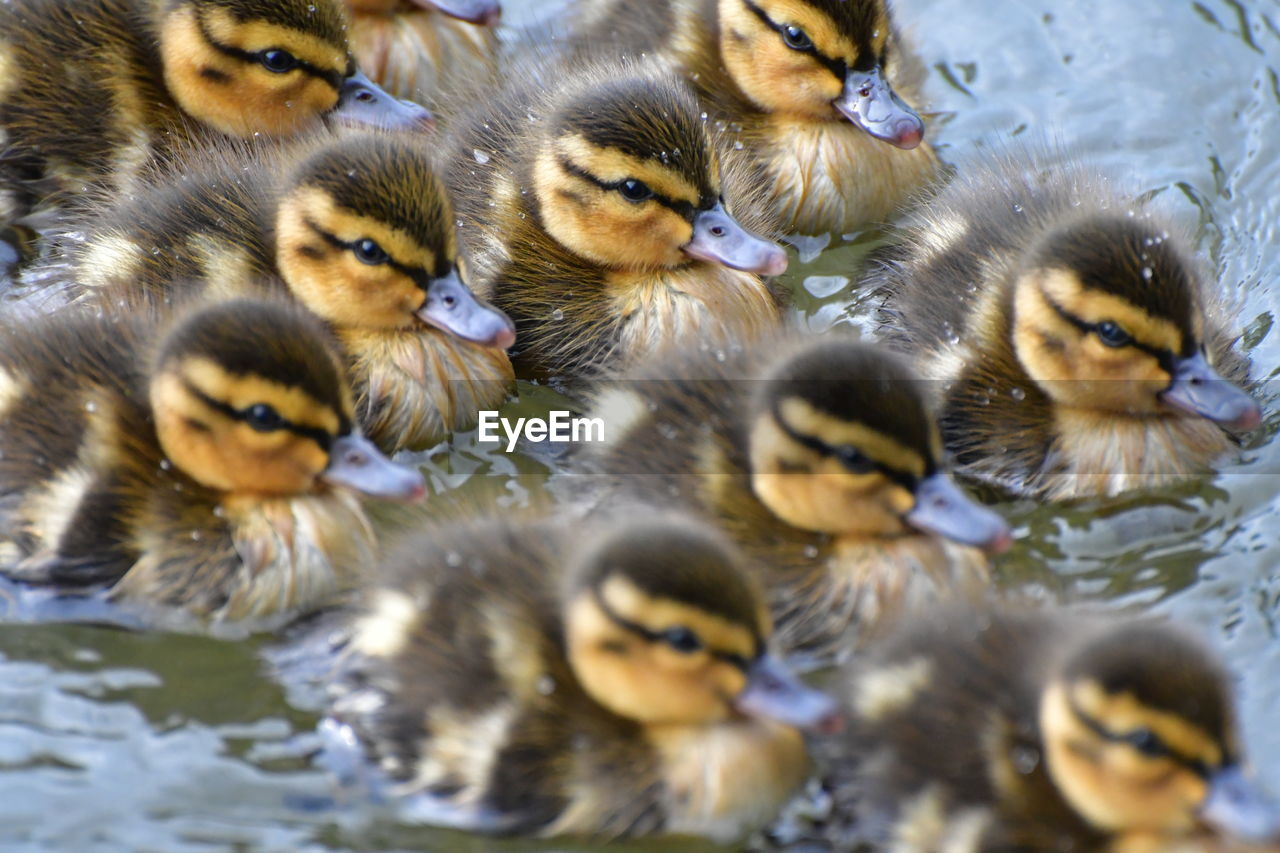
pixel 1106 317
pixel 664 627
pixel 820 59
pixel 271 67
pixel 628 178
pixel 249 399
pixel 1139 735
pixel 365 238
pixel 842 442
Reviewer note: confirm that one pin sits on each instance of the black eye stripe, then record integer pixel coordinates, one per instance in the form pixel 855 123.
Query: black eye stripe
pixel 651 636
pixel 333 78
pixel 420 275
pixel 1163 357
pixel 838 67
pixel 904 479
pixel 1195 765
pixel 686 210
pixel 319 436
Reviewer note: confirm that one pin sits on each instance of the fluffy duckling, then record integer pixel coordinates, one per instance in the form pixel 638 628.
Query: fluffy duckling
pixel 548 681
pixel 415 48
pixel 820 459
pixel 207 464
pixel 591 199
pixel 359 229
pixel 94 89
pixel 987 730
pixel 804 88
pixel 1077 342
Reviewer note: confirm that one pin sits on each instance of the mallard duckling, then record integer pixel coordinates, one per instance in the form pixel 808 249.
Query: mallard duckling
pixel 804 88
pixel 1077 342
pixel 357 228
pixel 591 199
pixel 94 89
pixel 1032 730
pixel 820 459
pixel 414 48
pixel 554 680
pixel 206 464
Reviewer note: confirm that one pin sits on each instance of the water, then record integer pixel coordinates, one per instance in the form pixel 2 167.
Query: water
pixel 114 741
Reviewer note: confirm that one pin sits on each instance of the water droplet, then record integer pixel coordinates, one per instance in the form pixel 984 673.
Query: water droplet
pixel 1025 759
pixel 166 465
pixel 546 685
pixel 557 315
pixel 1146 273
pixel 481 157
pixel 453 559
pixel 1017 394
pixel 1017 208
pixel 811 551
pixel 737 145
pixel 91 407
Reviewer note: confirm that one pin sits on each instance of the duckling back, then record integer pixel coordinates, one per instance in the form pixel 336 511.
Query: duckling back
pixel 422 52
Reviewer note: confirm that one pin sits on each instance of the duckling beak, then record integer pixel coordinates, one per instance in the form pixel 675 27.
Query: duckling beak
pixel 363 102
pixel 1199 389
pixel 774 693
pixel 1238 807
pixel 452 307
pixel 943 509
pixel 485 12
pixel 354 462
pixel 719 239
pixel 870 103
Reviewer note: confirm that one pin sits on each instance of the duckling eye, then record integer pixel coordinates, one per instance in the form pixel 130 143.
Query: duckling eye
pixel 278 61
pixel 796 38
pixel 1147 742
pixel 1112 335
pixel 369 252
pixel 633 190
pixel 682 640
pixel 854 460
pixel 263 418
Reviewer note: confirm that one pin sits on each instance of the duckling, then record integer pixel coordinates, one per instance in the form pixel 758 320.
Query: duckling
pixel 986 729
pixel 415 48
pixel 549 680
pixel 1078 344
pixel 820 459
pixel 804 86
pixel 359 229
pixel 591 199
pixel 94 89
pixel 205 463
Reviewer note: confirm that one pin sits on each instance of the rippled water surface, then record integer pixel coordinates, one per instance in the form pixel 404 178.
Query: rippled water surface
pixel 111 740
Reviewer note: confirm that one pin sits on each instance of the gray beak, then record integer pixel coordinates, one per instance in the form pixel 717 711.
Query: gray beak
pixel 943 509
pixel 870 102
pixel 1197 388
pixel 451 306
pixel 354 462
pixel 773 693
pixel 1237 807
pixel 719 239
pixel 363 102
pixel 486 12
